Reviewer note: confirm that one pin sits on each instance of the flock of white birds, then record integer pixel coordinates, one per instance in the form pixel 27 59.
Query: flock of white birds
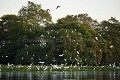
pixel 53 67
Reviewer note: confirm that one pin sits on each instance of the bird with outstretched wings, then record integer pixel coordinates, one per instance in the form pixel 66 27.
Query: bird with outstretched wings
pixel 57 7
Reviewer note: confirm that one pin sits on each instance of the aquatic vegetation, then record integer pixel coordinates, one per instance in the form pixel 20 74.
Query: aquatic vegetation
pixel 32 67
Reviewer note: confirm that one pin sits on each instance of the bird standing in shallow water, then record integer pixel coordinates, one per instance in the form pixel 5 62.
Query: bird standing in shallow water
pixel 57 7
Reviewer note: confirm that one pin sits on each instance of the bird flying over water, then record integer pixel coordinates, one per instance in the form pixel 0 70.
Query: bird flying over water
pixel 57 7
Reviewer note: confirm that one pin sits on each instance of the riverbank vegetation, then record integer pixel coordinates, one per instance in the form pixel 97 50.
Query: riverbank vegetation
pixel 32 37
pixel 29 68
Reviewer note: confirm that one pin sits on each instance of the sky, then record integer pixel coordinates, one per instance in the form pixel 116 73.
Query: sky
pixel 97 9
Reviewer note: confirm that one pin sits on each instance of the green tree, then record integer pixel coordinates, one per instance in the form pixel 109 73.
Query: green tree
pixel 82 18
pixel 78 43
pixel 11 30
pixel 67 19
pixel 33 15
pixel 110 30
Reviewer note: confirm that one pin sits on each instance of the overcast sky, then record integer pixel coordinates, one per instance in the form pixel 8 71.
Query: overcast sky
pixel 97 9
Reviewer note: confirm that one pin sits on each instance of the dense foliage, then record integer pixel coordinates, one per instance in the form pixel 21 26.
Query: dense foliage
pixel 31 37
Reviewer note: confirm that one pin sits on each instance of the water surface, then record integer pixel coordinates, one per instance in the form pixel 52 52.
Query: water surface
pixel 61 75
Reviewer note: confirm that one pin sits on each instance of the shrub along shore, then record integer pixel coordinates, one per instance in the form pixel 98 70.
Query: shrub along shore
pixel 31 67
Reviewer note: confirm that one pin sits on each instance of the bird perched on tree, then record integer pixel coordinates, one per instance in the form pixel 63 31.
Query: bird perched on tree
pixel 57 7
pixel 48 10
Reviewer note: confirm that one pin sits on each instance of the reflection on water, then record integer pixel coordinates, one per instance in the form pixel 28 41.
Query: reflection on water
pixel 61 75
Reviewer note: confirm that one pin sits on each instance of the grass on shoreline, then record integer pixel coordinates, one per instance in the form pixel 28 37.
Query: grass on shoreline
pixel 27 68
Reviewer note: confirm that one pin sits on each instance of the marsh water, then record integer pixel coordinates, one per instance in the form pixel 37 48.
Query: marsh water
pixel 61 75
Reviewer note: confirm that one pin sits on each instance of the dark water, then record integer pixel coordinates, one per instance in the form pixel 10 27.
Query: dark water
pixel 61 75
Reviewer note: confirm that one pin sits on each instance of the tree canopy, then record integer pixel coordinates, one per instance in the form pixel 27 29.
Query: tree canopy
pixel 33 15
pixel 32 37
